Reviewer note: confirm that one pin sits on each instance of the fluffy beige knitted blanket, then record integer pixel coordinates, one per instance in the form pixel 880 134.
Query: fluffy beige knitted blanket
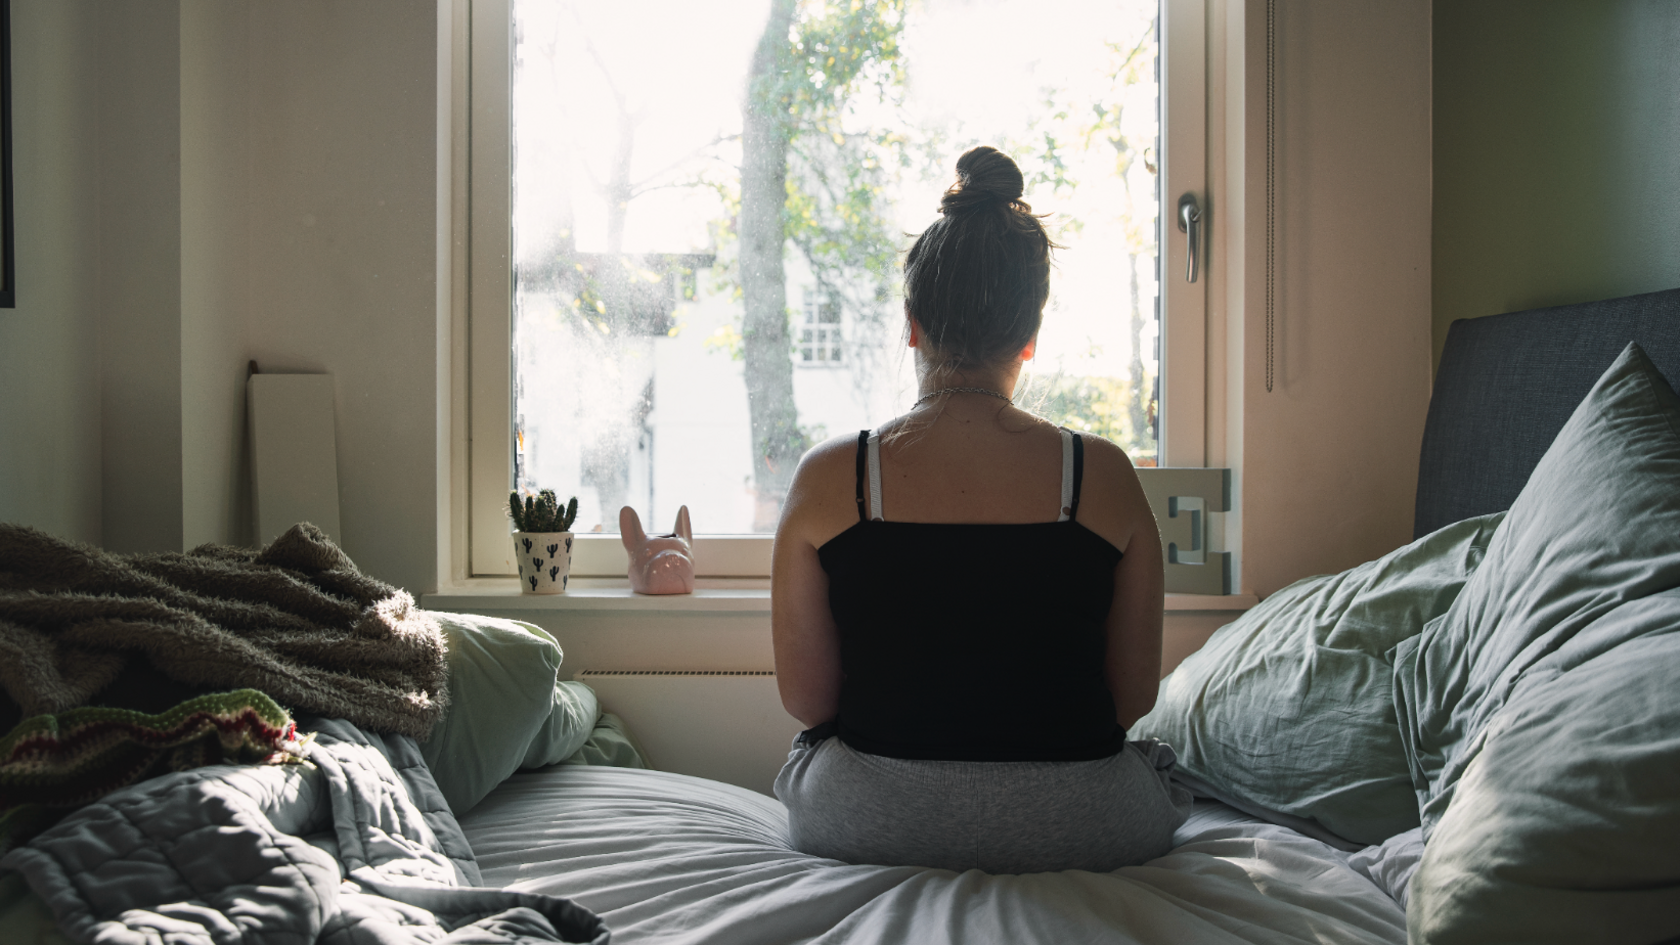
pixel 295 620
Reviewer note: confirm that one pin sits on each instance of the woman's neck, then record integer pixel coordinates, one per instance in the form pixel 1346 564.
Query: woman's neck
pixel 977 383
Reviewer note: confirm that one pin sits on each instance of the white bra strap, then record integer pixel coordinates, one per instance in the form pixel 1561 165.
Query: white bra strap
pixel 1067 476
pixel 875 476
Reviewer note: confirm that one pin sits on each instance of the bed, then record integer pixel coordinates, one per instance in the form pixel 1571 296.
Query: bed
pixel 665 858
pixel 1471 739
pixel 669 858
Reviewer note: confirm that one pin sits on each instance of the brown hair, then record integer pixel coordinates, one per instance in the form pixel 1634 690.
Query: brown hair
pixel 976 280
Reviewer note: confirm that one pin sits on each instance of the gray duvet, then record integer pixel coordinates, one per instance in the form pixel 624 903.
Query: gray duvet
pixel 356 847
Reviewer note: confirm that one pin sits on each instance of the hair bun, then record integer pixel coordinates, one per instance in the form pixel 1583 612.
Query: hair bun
pixel 985 177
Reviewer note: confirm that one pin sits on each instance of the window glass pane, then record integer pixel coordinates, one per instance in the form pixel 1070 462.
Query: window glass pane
pixel 711 204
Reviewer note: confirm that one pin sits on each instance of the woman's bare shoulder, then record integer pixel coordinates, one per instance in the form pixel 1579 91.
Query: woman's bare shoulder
pixel 822 500
pixel 1112 502
pixel 1105 458
pixel 835 457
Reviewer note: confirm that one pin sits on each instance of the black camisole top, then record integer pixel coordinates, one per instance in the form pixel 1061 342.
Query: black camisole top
pixel 974 642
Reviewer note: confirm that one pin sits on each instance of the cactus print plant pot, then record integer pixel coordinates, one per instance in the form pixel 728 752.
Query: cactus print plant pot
pixel 545 561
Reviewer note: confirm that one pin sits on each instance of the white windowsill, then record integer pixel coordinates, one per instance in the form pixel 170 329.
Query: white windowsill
pixel 711 595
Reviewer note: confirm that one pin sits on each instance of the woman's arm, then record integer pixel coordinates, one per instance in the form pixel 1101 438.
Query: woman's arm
pixel 1134 624
pixel 1120 512
pixel 802 629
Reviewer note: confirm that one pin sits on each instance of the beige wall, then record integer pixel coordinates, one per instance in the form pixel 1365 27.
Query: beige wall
pixel 1328 458
pixel 49 345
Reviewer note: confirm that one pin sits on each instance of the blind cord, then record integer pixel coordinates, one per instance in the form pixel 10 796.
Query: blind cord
pixel 1271 188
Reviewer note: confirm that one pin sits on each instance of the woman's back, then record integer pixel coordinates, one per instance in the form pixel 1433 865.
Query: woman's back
pixel 933 666
pixel 978 461
pixel 972 600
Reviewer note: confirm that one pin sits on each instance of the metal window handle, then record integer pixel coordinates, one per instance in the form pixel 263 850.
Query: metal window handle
pixel 1190 224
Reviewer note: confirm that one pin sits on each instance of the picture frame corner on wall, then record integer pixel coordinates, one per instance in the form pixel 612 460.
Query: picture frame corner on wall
pixel 8 254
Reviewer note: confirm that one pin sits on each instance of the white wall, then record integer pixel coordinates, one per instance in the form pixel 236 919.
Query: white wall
pixel 343 194
pixel 127 243
pixel 215 260
pixel 139 273
pixel 50 414
pixel 202 183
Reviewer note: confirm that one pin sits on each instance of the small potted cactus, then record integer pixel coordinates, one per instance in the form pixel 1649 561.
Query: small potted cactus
pixel 542 541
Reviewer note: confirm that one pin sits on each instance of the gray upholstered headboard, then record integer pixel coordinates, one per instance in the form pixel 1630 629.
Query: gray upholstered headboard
pixel 1508 383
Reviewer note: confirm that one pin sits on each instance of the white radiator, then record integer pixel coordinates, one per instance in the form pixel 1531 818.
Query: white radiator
pixel 728 725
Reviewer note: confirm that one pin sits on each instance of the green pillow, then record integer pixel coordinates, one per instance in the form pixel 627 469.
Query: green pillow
pixel 609 745
pixel 506 708
pixel 1291 709
pixel 569 726
pixel 1597 525
pixel 1566 827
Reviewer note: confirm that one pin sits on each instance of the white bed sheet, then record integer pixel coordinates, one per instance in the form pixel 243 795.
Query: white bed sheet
pixel 670 858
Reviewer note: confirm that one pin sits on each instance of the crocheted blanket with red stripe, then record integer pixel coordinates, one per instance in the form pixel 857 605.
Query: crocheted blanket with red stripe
pixel 52 764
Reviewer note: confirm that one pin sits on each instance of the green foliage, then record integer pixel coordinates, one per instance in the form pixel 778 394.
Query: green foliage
pixel 610 295
pixel 842 54
pixel 542 513
pixel 833 93
pixel 844 68
pixel 837 47
pixel 1096 405
pixel 1064 127
pixel 727 339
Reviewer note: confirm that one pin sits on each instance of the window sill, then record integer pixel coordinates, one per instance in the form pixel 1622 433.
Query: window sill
pixel 711 595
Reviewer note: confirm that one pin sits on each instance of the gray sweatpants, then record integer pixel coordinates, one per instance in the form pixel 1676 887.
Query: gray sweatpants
pixel 994 816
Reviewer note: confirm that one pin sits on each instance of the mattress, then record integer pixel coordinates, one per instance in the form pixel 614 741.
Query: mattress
pixel 669 858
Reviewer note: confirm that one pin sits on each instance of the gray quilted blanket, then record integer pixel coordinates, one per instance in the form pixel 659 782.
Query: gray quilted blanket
pixel 355 848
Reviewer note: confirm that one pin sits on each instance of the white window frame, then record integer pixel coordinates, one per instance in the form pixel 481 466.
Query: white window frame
pixel 488 440
pixel 1184 93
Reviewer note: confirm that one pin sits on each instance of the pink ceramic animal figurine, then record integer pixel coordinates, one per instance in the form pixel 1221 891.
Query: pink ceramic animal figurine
pixel 659 564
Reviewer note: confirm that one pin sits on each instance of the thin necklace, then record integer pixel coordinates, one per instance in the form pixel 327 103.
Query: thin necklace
pixel 963 390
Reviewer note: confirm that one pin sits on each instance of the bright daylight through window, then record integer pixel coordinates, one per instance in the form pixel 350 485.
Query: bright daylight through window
pixel 711 205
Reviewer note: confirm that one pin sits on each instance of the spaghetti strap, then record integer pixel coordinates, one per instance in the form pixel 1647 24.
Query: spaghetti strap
pixel 863 447
pixel 1078 474
pixel 875 476
pixel 1073 473
pixel 1066 506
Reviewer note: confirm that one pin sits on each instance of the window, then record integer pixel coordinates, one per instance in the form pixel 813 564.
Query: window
pixel 670 346
pixel 820 343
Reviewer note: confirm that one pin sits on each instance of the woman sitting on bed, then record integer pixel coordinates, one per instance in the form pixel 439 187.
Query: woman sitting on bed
pixel 967 601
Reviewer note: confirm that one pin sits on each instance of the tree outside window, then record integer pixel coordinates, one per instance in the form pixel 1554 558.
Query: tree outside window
pixel 708 201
